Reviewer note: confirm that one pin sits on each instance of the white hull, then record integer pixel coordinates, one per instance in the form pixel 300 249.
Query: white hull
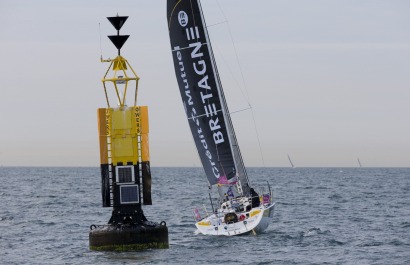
pixel 254 221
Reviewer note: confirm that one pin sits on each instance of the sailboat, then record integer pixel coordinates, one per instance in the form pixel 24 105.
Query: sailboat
pixel 360 164
pixel 240 209
pixel 291 163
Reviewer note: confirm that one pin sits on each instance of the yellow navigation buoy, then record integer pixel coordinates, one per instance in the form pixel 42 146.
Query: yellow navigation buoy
pixel 125 162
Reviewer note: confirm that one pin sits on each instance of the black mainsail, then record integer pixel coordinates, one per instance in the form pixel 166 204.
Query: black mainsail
pixel 203 97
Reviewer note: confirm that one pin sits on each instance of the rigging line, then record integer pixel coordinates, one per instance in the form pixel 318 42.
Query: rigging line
pixel 257 137
pixel 236 111
pixel 199 116
pixel 244 83
pixel 177 48
pixel 235 51
pixel 233 76
pixel 245 95
pixel 99 30
pixel 222 22
pixel 233 112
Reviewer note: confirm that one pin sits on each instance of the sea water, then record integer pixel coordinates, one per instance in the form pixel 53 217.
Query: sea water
pixel 322 216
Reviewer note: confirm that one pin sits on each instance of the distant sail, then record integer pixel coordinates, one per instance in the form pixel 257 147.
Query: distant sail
pixel 202 95
pixel 360 164
pixel 291 164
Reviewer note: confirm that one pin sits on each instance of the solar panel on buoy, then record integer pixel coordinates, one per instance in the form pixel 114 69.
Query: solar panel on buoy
pixel 129 194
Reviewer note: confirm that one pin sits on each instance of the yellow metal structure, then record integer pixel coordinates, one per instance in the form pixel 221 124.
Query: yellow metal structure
pixel 120 75
pixel 123 135
pixel 123 130
pixel 103 135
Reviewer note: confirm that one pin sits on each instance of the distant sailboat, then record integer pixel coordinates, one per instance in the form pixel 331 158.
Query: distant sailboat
pixel 291 164
pixel 360 164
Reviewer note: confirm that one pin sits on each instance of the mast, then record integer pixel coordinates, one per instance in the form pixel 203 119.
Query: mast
pixel 360 164
pixel 237 156
pixel 292 165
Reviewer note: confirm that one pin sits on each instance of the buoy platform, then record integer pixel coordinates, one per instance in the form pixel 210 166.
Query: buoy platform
pixel 129 237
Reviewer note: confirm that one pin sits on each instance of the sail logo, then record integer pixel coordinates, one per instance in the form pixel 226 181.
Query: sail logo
pixel 183 18
pixel 194 117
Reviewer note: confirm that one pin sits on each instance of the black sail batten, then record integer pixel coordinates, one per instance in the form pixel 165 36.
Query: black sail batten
pixel 202 94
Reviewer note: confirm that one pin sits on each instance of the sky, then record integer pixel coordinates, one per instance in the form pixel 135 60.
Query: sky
pixel 328 81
